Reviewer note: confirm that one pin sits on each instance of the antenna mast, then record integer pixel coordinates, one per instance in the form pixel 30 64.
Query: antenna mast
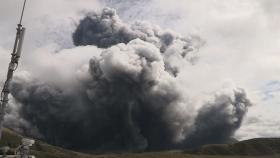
pixel 12 67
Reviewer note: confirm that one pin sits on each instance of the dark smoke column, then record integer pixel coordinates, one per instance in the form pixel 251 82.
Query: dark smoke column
pixel 128 102
pixel 217 121
pixel 103 30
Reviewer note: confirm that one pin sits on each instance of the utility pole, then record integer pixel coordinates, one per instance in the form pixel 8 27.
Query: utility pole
pixel 23 150
pixel 12 67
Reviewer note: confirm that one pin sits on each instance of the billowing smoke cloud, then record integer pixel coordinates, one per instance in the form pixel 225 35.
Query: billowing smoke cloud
pixel 106 29
pixel 127 101
pixel 103 30
pixel 218 120
pixel 128 97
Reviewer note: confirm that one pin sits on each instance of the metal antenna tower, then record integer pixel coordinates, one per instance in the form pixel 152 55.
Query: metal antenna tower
pixel 12 67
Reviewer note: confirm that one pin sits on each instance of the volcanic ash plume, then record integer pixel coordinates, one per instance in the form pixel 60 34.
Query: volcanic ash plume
pixel 106 29
pixel 127 101
pixel 127 97
pixel 217 121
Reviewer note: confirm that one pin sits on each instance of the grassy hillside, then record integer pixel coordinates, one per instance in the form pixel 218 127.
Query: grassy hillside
pixel 251 147
pixel 39 149
pixel 261 146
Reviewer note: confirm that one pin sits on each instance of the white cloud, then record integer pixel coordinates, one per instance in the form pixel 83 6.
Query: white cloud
pixel 46 21
pixel 258 126
pixel 4 61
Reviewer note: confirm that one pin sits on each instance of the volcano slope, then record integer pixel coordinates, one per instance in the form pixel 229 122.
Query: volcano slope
pixel 263 148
